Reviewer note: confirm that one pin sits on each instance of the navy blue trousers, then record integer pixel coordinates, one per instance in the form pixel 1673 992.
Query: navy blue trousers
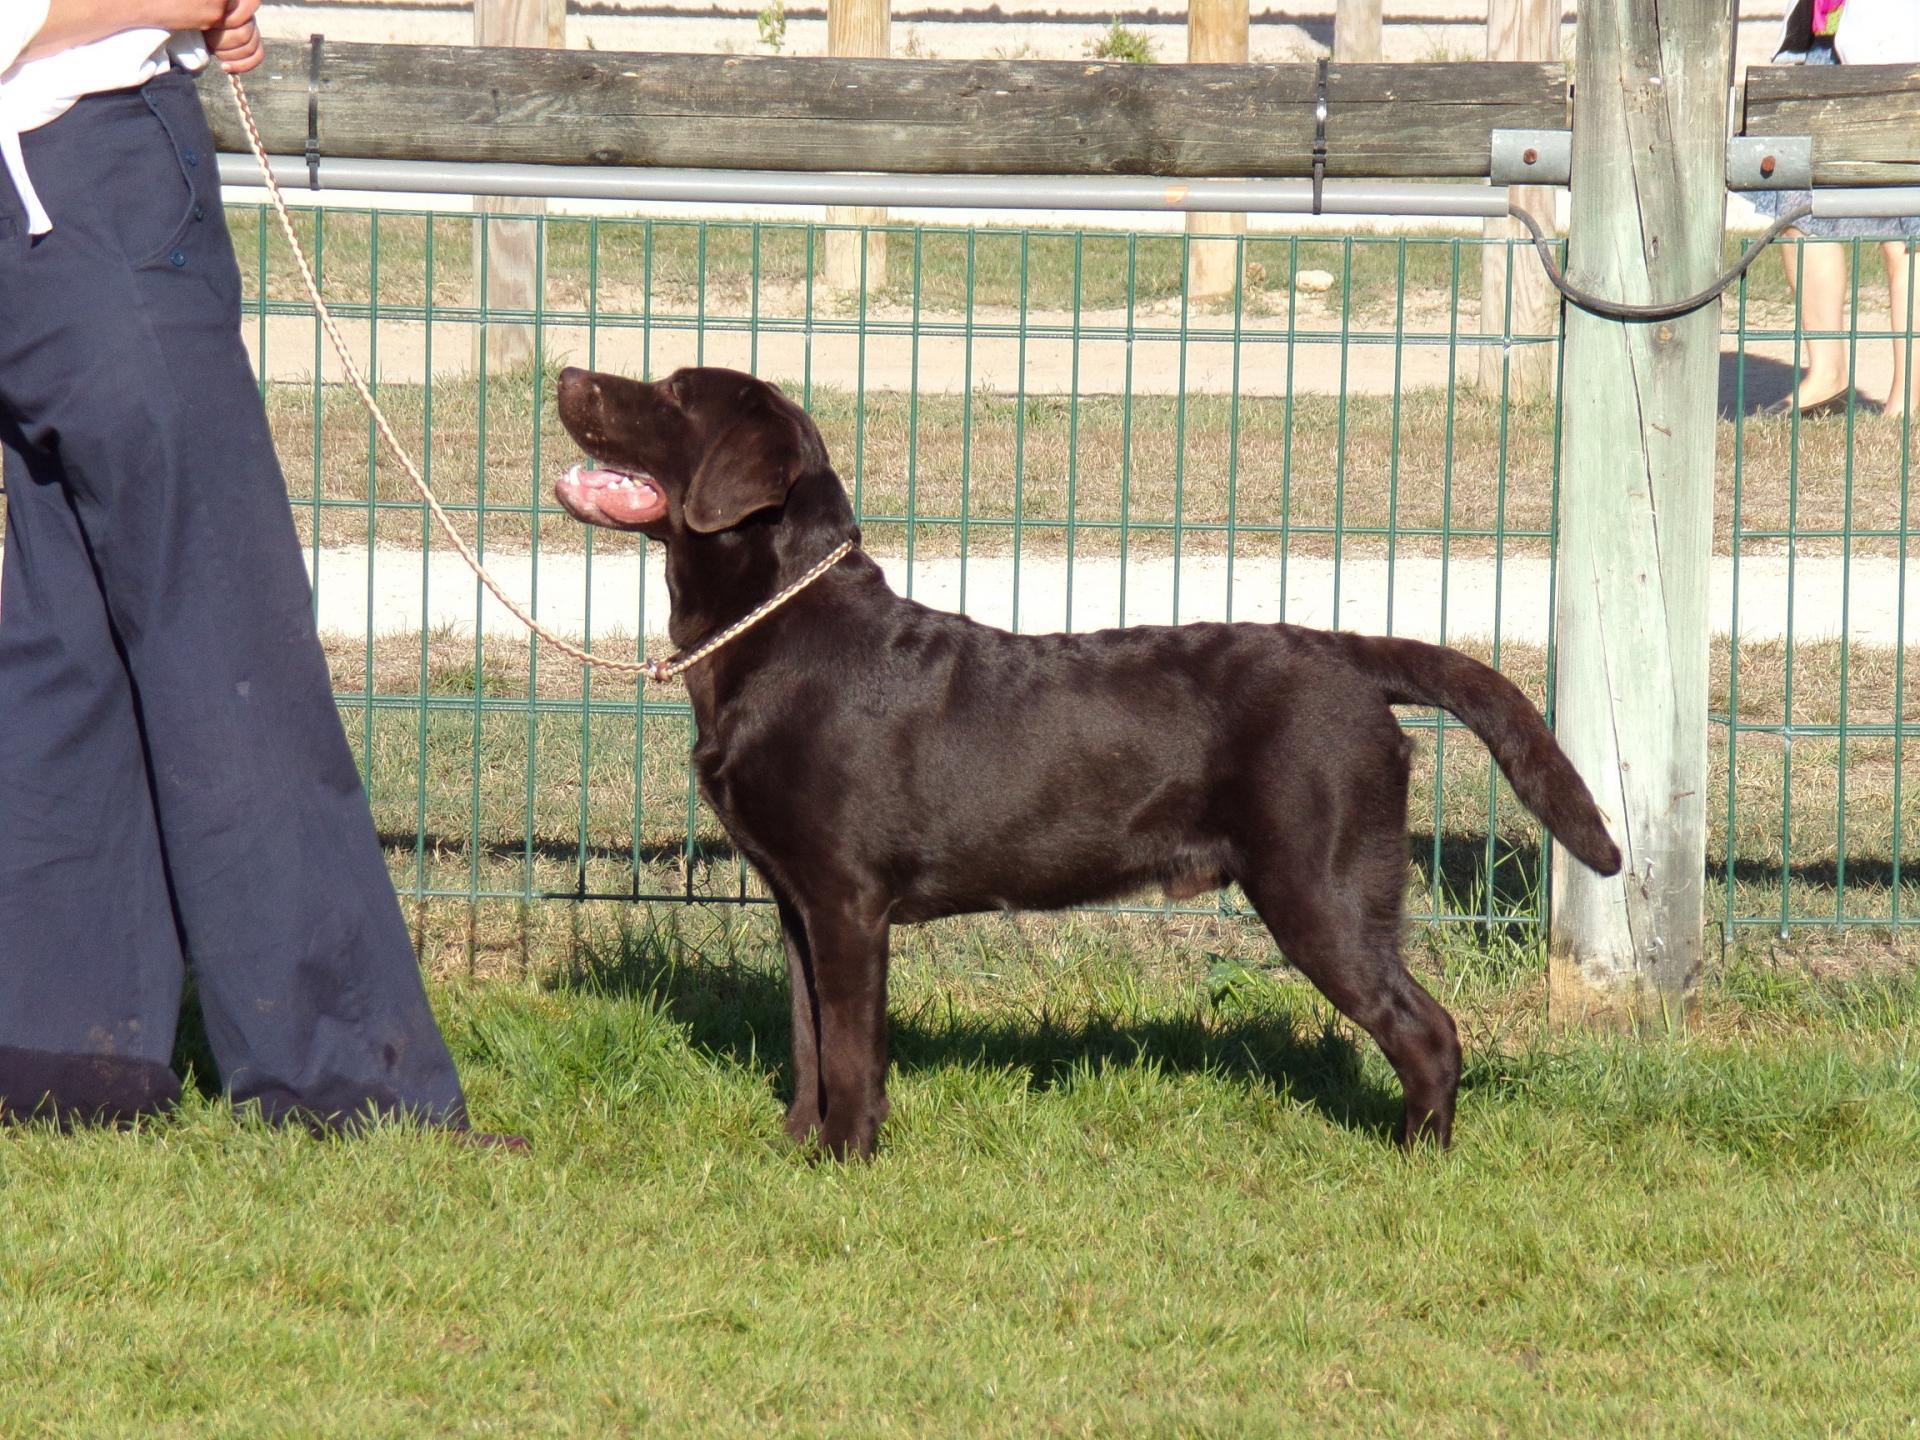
pixel 175 786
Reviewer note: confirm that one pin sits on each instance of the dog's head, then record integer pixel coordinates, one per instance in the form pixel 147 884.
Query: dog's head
pixel 694 454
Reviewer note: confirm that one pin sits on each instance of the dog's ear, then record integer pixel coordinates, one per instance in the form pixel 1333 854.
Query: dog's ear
pixel 750 467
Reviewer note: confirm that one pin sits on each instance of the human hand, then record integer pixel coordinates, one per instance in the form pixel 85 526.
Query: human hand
pixel 176 14
pixel 235 41
pixel 78 22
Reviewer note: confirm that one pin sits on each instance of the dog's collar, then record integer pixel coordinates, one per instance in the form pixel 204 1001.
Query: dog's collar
pixel 660 671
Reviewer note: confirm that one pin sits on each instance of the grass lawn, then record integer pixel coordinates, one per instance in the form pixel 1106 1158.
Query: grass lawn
pixel 1132 1184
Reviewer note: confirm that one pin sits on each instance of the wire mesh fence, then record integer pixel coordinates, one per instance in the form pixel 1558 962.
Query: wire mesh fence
pixel 1813 522
pixel 1048 429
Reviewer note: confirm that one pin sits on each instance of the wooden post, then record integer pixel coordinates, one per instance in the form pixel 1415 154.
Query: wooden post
pixel 1636 509
pixel 511 247
pixel 857 27
pixel 1216 35
pixel 1519 30
pixel 1356 31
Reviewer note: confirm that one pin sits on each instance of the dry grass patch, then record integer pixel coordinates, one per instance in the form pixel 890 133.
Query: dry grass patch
pixel 1426 472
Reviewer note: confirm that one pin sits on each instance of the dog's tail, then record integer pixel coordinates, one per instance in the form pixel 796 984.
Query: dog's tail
pixel 1409 672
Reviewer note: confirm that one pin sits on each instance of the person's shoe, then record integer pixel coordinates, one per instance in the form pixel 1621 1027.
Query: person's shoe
pixel 1835 404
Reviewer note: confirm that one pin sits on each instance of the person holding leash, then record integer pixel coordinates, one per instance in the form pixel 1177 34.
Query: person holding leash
pixel 176 790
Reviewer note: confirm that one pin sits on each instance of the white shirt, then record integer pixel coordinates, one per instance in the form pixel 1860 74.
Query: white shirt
pixel 33 92
pixel 1879 32
pixel 1872 32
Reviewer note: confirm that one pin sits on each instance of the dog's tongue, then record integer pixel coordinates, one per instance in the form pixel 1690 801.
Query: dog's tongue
pixel 618 499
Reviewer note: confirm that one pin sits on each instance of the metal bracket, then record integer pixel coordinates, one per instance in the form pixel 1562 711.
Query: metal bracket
pixel 313 110
pixel 1532 157
pixel 1319 133
pixel 1770 162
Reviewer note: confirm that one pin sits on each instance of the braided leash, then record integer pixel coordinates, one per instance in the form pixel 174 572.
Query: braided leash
pixel 659 671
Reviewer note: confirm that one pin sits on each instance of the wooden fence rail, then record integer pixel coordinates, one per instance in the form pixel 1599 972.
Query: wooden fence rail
pixel 1005 117
pixel 994 117
pixel 1864 119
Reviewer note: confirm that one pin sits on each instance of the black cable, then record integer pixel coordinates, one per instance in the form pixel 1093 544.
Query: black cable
pixel 1619 310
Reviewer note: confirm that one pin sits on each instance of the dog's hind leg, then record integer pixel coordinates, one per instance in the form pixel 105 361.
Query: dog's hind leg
pixel 1351 952
pixel 1328 867
pixel 809 1100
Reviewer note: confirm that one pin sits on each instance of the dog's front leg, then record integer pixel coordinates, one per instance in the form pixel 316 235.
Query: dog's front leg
pixel 809 1100
pixel 848 950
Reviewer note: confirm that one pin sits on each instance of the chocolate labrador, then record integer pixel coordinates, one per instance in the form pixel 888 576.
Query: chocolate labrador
pixel 881 763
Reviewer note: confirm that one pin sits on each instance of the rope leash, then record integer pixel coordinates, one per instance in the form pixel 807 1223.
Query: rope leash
pixel 658 671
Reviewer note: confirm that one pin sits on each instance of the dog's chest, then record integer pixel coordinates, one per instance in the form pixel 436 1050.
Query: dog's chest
pixel 757 783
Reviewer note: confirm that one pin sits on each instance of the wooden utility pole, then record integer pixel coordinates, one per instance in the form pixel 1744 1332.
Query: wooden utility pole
pixel 510 248
pixel 1519 30
pixel 1636 506
pixel 1356 31
pixel 861 28
pixel 1216 35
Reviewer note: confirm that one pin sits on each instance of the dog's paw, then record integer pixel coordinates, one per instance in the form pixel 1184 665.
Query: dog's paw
pixel 851 1137
pixel 1425 1130
pixel 801 1122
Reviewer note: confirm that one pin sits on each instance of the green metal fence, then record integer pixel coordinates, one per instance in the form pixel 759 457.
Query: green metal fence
pixel 1813 711
pixel 1048 429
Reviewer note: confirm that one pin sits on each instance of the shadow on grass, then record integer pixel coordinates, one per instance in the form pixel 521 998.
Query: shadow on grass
pixel 1495 887
pixel 559 852
pixel 1497 880
pixel 1871 871
pixel 736 1007
pixel 740 1010
pixel 1750 383
pixel 192 1053
pixel 1465 870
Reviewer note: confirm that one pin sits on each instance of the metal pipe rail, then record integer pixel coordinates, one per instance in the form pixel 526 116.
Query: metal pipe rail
pixel 799 187
pixel 1887 204
pixel 640 184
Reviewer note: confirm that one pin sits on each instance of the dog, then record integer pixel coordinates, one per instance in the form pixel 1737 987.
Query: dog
pixel 881 763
